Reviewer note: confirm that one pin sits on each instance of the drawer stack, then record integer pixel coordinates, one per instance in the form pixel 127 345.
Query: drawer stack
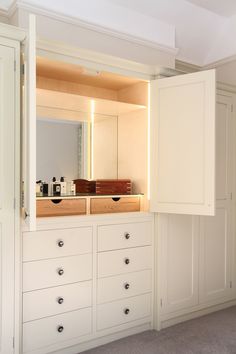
pixel 124 274
pixel 57 286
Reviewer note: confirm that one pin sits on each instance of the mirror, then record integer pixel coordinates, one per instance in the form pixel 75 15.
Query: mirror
pixel 85 147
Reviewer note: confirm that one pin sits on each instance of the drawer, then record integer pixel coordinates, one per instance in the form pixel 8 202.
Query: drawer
pixel 45 274
pixel 56 243
pixel 123 311
pixel 53 301
pixel 122 286
pixel 60 207
pixel 51 330
pixel 124 261
pixel 114 205
pixel 124 235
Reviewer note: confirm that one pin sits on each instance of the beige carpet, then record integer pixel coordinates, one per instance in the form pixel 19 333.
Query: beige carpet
pixel 214 333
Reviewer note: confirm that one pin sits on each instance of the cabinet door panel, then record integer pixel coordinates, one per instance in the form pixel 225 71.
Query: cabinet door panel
pixel 215 256
pixel 183 144
pixel 7 183
pixel 179 262
pixel 216 245
pixel 29 125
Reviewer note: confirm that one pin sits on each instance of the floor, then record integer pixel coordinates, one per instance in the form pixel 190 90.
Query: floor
pixel 214 333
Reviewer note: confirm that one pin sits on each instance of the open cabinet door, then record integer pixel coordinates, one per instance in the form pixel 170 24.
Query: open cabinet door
pixel 183 144
pixel 29 125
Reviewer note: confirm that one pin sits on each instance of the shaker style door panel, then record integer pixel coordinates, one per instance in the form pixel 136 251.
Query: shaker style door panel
pixel 215 256
pixel 183 144
pixel 179 262
pixel 216 233
pixel 7 183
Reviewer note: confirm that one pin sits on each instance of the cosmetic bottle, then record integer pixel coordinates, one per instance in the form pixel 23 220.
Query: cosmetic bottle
pixel 63 186
pixel 39 188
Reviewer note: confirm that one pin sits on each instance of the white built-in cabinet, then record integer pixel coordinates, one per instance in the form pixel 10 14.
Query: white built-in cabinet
pixel 196 254
pixel 9 158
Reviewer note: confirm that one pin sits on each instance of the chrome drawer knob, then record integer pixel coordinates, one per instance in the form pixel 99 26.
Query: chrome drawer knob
pixel 60 300
pixel 60 243
pixel 127 261
pixel 60 271
pixel 126 311
pixel 60 329
pixel 126 286
pixel 127 235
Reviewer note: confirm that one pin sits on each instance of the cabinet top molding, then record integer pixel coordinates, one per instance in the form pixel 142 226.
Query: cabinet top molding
pixel 11 32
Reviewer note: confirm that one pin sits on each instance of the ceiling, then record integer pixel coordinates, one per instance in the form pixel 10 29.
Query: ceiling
pixel 225 8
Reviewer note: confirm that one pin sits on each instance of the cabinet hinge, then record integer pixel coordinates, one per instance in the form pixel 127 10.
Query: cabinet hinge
pixel 230 284
pixel 14 203
pixel 231 196
pixel 232 107
pixel 14 65
pixel 161 302
pixel 13 342
pixel 22 196
pixel 23 69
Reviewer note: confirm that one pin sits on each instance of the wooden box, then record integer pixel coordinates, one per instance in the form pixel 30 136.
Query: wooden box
pixel 113 186
pixel 114 205
pixel 60 207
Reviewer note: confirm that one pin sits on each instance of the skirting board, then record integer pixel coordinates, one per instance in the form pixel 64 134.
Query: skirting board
pixel 103 340
pixel 196 314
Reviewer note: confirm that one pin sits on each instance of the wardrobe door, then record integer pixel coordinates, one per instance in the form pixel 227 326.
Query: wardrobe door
pixel 216 236
pixel 7 195
pixel 183 144
pixel 29 125
pixel 178 242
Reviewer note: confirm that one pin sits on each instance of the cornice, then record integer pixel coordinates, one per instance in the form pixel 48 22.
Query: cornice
pixel 25 5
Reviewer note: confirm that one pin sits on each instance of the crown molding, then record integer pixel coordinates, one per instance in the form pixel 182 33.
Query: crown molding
pixel 4 13
pixel 38 10
pixel 186 67
pixel 220 62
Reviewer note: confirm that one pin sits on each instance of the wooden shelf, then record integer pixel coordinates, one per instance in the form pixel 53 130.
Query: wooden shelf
pixel 58 105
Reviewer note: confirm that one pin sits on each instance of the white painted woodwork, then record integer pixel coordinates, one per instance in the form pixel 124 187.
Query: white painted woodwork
pixel 179 262
pixel 112 237
pixel 44 303
pixel 183 144
pixel 44 273
pixel 7 195
pixel 216 237
pixel 113 262
pixel 112 313
pixel 44 332
pixel 114 288
pixel 45 244
pixel 72 102
pixel 30 124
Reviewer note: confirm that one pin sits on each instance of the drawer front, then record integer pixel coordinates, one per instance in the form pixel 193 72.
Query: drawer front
pixel 114 205
pixel 53 301
pixel 60 207
pixel 45 274
pixel 125 285
pixel 56 243
pixel 124 261
pixel 112 237
pixel 42 333
pixel 120 312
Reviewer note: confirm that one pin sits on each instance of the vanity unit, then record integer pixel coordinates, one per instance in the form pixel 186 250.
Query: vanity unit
pixel 124 263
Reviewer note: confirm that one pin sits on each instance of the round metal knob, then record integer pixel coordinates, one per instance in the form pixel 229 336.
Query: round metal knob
pixel 60 243
pixel 127 261
pixel 126 286
pixel 127 235
pixel 60 329
pixel 126 311
pixel 60 300
pixel 60 271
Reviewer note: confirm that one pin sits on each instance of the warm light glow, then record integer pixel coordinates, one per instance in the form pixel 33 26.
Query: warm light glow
pixel 92 137
pixel 148 167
